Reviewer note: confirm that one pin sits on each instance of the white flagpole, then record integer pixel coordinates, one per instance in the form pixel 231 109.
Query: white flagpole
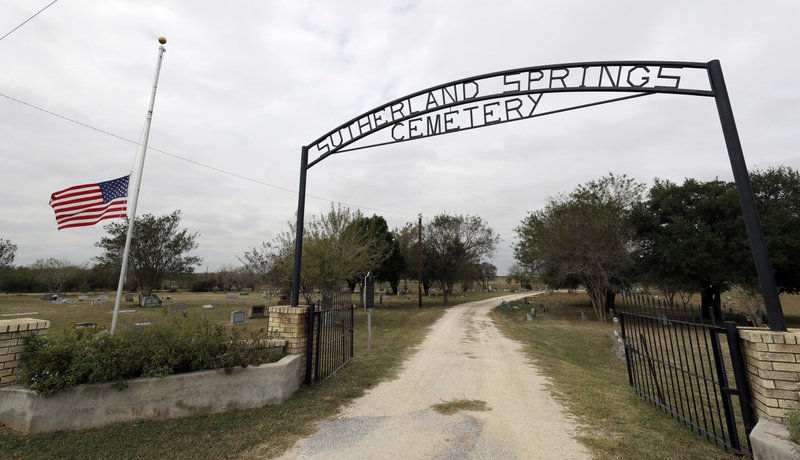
pixel 134 200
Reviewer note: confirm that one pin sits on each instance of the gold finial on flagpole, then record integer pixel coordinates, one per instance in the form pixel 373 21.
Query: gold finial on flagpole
pixel 162 40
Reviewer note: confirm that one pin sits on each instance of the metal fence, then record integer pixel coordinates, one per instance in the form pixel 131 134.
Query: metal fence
pixel 689 367
pixel 330 336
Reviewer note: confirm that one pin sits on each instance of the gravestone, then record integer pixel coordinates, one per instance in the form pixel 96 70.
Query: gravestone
pixel 179 307
pixel 257 311
pixel 230 295
pixel 208 306
pixel 531 316
pixel 129 297
pixel 142 323
pixel 150 301
pixel 83 298
pixel 244 293
pixel 86 325
pixel 237 317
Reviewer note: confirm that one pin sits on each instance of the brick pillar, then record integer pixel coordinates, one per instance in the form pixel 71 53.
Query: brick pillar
pixel 12 339
pixel 290 324
pixel 772 360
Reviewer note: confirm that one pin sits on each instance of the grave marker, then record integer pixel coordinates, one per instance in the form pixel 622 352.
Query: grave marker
pixel 150 301
pixel 257 311
pixel 237 317
pixel 179 307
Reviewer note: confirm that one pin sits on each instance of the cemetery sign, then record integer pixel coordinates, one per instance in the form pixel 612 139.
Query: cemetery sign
pixel 524 93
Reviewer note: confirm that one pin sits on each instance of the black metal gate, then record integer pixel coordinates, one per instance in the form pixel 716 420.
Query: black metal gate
pixel 689 367
pixel 330 336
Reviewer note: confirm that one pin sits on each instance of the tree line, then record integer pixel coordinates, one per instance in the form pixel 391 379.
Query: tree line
pixel 610 233
pixel 607 234
pixel 340 246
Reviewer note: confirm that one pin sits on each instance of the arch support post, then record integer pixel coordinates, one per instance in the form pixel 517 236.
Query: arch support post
pixel 298 240
pixel 752 223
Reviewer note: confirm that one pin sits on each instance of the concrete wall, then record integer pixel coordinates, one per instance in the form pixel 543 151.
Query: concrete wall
pixel 205 392
pixel 12 337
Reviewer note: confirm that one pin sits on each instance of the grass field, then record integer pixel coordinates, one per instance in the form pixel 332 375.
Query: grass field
pixel 576 355
pixel 262 432
pixel 587 377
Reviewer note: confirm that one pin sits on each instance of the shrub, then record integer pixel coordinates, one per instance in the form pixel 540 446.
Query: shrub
pixel 794 426
pixel 175 346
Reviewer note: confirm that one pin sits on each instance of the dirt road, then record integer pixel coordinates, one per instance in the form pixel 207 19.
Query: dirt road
pixel 464 357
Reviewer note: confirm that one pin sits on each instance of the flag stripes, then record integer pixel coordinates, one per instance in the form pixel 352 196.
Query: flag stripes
pixel 88 204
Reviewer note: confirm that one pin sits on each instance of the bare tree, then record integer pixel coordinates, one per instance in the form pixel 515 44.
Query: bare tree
pixel 54 273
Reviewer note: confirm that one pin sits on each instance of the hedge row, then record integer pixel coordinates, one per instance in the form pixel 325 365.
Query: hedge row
pixel 175 346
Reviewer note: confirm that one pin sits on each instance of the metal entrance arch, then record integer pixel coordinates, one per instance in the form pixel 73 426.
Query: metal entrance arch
pixel 518 94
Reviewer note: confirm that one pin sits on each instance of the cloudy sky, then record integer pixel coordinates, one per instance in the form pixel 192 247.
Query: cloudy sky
pixel 245 84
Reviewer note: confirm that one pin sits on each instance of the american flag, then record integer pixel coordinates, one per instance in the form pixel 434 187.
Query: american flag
pixel 88 204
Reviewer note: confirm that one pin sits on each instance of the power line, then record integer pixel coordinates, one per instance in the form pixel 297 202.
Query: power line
pixel 25 21
pixel 197 163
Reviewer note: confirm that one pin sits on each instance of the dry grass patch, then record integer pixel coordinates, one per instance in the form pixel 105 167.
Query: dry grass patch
pixel 592 383
pixel 456 405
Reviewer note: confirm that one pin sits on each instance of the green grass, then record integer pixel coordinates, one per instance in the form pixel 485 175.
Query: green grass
pixel 587 377
pixel 262 432
pixel 794 426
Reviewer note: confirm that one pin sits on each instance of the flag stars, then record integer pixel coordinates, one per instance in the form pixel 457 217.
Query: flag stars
pixel 113 189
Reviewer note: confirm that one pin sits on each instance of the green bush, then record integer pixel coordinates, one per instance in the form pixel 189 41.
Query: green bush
pixel 177 345
pixel 794 426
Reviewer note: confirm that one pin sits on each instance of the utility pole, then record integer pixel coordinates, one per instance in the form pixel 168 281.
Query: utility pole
pixel 419 263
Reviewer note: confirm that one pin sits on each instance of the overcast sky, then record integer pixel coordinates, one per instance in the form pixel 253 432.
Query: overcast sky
pixel 245 84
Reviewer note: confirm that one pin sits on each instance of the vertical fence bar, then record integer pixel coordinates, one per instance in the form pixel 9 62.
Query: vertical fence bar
pixel 722 376
pixel 740 376
pixel 352 329
pixel 669 363
pixel 318 350
pixel 310 344
pixel 627 347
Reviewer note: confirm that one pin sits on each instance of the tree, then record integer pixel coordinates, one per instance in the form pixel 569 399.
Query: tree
pixel 692 239
pixel 159 247
pixel 393 263
pixel 8 251
pixel 262 264
pixel 456 244
pixel 407 239
pixel 486 272
pixel 332 251
pixel 583 236
pixel 777 194
pixel 520 274
pixel 53 274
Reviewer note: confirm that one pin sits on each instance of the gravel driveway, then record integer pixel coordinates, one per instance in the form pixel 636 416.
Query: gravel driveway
pixel 464 357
